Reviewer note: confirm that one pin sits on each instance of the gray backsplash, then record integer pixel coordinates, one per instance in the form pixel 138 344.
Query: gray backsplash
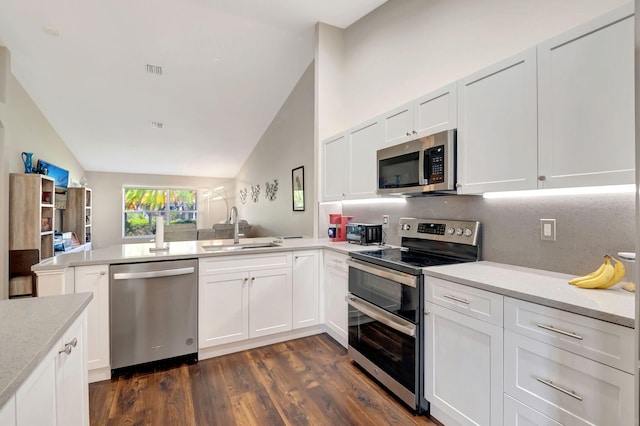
pixel 587 226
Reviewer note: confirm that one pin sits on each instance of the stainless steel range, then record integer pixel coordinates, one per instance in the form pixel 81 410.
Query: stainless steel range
pixel 386 301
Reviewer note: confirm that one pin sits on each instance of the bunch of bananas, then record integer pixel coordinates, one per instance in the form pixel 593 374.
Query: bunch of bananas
pixel 607 275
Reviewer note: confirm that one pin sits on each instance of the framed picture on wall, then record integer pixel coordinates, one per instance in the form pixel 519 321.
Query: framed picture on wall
pixel 297 188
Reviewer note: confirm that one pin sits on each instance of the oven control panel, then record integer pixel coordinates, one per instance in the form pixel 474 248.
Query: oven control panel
pixel 455 231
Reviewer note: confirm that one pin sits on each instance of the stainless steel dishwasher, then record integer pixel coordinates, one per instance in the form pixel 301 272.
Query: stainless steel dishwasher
pixel 153 311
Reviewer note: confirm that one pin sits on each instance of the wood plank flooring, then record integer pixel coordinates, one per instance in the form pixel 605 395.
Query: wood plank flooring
pixel 308 381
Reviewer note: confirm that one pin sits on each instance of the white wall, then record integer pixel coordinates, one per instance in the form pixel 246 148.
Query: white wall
pixel 4 182
pixel 406 48
pixel 107 201
pixel 287 143
pixel 23 128
pixel 30 131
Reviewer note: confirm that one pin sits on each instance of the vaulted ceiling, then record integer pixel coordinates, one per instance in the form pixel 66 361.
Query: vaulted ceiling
pixel 226 68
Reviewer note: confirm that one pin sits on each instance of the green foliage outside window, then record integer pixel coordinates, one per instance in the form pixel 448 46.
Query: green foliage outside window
pixel 143 205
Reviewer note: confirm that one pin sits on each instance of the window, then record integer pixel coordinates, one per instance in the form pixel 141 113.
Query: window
pixel 143 205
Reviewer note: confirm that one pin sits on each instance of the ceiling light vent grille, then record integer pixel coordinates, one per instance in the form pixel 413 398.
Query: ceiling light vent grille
pixel 154 69
pixel 157 125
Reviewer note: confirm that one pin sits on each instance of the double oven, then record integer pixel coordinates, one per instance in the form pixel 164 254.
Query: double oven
pixel 386 301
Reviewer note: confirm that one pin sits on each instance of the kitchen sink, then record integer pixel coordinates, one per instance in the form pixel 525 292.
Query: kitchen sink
pixel 234 247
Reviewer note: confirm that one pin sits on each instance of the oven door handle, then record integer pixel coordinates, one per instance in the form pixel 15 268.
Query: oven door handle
pixel 398 324
pixel 399 277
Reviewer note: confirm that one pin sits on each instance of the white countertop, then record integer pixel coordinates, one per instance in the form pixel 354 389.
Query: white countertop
pixel 140 252
pixel 29 328
pixel 542 287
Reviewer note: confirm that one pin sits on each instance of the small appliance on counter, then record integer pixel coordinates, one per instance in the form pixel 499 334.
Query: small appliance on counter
pixel 337 227
pixel 364 233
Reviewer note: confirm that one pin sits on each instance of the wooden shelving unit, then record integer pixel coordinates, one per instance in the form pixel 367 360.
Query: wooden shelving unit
pixel 31 220
pixel 77 217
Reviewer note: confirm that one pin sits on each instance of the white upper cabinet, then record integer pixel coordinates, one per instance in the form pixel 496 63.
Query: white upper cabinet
pixel 436 112
pixel 429 114
pixel 335 168
pixel 586 100
pixel 398 125
pixel 364 142
pixel 497 120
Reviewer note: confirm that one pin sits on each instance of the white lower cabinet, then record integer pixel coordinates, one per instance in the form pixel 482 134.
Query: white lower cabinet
pixel 95 279
pixel 269 302
pixel 566 368
pixel 223 309
pixel 518 414
pixel 243 304
pixel 72 385
pixel 463 368
pixel 336 285
pixel 8 412
pixel 306 289
pixel 57 391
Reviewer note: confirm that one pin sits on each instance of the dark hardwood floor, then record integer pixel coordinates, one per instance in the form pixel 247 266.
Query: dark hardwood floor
pixel 308 381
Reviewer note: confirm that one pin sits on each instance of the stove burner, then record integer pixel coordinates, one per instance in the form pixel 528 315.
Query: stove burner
pixel 397 255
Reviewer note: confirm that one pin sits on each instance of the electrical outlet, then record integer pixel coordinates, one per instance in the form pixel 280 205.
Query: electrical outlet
pixel 385 221
pixel 548 229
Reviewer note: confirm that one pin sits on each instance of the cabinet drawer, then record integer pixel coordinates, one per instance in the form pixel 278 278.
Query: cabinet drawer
pixel 564 386
pixel 336 260
pixel 480 304
pixel 214 265
pixel 601 341
pixel 518 414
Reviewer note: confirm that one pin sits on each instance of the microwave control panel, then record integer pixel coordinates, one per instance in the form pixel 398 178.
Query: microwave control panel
pixel 434 164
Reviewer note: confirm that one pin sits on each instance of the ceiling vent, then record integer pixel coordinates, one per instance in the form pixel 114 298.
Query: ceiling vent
pixel 154 69
pixel 157 125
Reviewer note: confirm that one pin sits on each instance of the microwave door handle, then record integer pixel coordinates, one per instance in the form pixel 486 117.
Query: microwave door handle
pixel 426 167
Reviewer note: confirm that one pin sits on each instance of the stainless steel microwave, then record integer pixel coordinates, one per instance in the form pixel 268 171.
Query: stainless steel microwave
pixel 419 166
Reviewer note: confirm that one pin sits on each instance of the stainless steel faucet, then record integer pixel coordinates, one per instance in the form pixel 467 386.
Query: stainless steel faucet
pixel 234 219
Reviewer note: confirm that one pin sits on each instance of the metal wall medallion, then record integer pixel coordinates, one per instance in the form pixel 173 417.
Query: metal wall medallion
pixel 255 193
pixel 270 190
pixel 243 195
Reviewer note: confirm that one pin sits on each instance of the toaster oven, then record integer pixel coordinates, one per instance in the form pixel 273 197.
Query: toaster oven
pixel 364 233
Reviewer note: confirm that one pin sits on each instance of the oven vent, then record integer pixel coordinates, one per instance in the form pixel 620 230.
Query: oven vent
pixel 157 125
pixel 154 69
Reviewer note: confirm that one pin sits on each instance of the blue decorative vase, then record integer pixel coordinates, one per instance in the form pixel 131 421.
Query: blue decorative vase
pixel 27 159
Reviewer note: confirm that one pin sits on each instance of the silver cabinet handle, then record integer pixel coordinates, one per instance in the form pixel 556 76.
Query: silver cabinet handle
pixel 103 273
pixel 245 280
pixel 560 331
pixel 458 185
pixel 153 274
pixel 68 347
pixel 398 324
pixel 415 133
pixel 253 278
pixel 408 133
pixel 542 178
pixel 457 299
pixel 549 383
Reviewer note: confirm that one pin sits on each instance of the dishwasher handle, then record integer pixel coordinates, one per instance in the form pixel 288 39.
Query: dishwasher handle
pixel 153 274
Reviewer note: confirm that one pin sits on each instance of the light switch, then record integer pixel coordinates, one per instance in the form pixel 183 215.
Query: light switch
pixel 548 229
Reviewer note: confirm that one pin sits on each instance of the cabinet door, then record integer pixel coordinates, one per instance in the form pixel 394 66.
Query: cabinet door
pixel 463 368
pixel 497 127
pixel 363 145
pixel 223 309
pixel 334 168
pixel 586 98
pixel 398 125
pixel 72 386
pixel 36 397
pixel 336 284
pixel 305 288
pixel 436 111
pixel 269 302
pixel 8 412
pixel 95 279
